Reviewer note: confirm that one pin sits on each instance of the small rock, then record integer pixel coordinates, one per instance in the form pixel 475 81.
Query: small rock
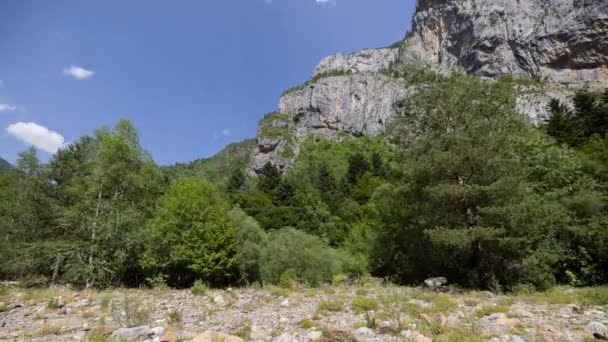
pixel 158 331
pixel 406 334
pixel 169 337
pixel 214 336
pixel 258 333
pixel 142 332
pixel 508 323
pixel 219 300
pixel 521 313
pixel 285 303
pixel 106 329
pixel 314 335
pixel 283 320
pixel 436 282
pixel 597 329
pixel 516 338
pixel 82 303
pixel 285 337
pixel 364 331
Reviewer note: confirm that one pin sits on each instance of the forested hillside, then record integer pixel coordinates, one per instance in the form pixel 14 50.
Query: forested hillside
pixel 4 165
pixel 461 186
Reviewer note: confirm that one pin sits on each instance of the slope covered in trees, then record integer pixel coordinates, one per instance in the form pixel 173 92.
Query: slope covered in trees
pixel 461 186
pixel 4 165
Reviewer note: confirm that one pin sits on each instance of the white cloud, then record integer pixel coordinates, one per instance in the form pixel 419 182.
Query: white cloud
pixel 226 132
pixel 1 83
pixel 78 72
pixel 327 2
pixel 37 136
pixel 7 108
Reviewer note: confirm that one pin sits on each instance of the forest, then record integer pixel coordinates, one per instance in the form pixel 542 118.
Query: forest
pixel 461 185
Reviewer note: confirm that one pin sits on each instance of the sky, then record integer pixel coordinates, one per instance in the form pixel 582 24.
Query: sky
pixel 192 75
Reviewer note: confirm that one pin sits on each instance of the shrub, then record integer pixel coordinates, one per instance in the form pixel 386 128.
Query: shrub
pixel 54 303
pixel 130 312
pixel 286 281
pixel 199 288
pixel 191 236
pixel 307 324
pixel 305 257
pixel 330 305
pixel 361 304
pixel 338 279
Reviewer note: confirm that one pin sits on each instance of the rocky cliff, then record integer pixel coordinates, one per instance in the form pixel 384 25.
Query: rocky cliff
pixel 563 43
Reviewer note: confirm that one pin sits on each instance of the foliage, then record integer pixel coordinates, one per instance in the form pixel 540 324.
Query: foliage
pixel 191 237
pixel 303 256
pixel 199 288
pixel 362 304
pixel 131 311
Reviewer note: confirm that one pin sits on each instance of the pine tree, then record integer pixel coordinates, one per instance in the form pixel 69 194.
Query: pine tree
pixel 284 195
pixel 269 179
pixel 236 182
pixel 378 168
pixel 357 167
pixel 326 181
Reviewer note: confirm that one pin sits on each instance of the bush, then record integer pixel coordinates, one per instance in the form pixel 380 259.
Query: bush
pixel 191 237
pixel 303 256
pixel 361 304
pixel 330 305
pixel 199 288
pixel 130 312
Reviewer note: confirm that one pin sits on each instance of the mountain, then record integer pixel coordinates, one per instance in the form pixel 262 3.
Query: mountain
pixel 5 166
pixel 218 167
pixel 552 47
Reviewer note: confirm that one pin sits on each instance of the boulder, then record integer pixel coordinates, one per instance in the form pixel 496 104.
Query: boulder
pixel 136 333
pixel 597 329
pixel 436 282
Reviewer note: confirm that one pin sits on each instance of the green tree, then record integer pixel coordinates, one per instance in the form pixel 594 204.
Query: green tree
pixel 269 178
pixel 236 182
pixel 357 167
pixel 191 235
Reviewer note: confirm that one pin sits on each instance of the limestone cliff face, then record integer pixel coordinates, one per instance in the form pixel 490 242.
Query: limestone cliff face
pixel 563 43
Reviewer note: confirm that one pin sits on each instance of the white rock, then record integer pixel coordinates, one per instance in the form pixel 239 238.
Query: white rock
pixel 597 328
pixel 364 331
pixel 285 303
pixel 158 331
pixel 137 333
pixel 219 300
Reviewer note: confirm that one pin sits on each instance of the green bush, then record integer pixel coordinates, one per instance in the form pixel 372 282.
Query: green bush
pixel 330 305
pixel 362 304
pixel 191 236
pixel 199 288
pixel 304 256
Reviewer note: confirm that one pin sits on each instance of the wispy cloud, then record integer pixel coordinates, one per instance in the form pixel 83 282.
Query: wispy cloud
pixel 7 108
pixel 226 132
pixel 37 136
pixel 327 2
pixel 78 72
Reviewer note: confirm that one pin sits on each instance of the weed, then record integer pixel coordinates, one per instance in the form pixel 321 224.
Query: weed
pixel 244 330
pixel 55 303
pixel 307 324
pixel 199 288
pixel 362 304
pixel 130 312
pixel 49 329
pixel 330 305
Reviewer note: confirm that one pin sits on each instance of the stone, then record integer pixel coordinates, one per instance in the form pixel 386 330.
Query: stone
pixel 597 329
pixel 106 329
pixel 284 337
pixel 521 313
pixel 508 323
pixel 158 331
pixel 170 336
pixel 436 282
pixel 258 333
pixel 219 300
pixel 364 331
pixel 136 333
pixel 214 336
pixel 285 303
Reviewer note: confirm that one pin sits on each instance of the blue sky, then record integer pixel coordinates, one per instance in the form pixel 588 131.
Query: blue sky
pixel 193 75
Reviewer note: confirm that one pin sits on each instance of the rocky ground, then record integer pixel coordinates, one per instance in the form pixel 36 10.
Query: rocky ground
pixel 368 311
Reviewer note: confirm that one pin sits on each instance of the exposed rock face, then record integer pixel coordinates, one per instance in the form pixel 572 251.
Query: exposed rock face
pixel 358 104
pixel 562 41
pixel 360 61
